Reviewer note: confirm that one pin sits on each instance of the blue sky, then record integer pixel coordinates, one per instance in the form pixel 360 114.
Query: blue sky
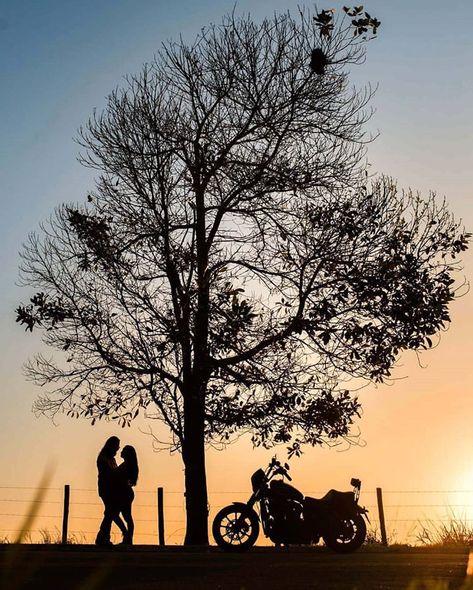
pixel 59 59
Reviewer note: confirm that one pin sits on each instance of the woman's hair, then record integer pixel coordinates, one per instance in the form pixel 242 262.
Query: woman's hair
pixel 131 460
pixel 110 447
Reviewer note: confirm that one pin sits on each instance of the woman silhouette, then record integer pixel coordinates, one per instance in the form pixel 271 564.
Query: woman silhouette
pixel 127 476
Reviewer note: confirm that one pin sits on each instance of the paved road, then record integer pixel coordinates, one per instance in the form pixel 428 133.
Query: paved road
pixel 144 568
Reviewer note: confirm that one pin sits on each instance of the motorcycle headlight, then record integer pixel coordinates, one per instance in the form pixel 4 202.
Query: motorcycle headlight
pixel 257 479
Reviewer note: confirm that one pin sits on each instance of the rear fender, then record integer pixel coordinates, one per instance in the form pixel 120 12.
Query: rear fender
pixel 343 503
pixel 335 505
pixel 349 511
pixel 364 512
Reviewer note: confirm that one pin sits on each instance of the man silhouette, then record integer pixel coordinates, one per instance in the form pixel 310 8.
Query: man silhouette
pixel 106 466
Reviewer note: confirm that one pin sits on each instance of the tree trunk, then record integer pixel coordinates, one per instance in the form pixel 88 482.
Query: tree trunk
pixel 195 476
pixel 193 449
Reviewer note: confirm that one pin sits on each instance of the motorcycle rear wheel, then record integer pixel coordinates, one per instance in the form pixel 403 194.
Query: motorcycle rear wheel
pixel 235 528
pixel 346 535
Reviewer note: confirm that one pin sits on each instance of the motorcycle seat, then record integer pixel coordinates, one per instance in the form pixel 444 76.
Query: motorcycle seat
pixel 336 496
pixel 332 497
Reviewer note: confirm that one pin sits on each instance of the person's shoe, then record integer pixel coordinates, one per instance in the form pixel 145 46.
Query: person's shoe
pixel 103 542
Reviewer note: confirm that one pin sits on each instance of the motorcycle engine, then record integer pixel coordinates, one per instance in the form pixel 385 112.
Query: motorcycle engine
pixel 285 508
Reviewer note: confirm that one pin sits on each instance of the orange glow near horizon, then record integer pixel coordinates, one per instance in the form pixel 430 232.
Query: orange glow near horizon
pixel 415 437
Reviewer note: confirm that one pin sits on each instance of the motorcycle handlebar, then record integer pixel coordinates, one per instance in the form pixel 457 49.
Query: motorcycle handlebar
pixel 278 469
pixel 282 471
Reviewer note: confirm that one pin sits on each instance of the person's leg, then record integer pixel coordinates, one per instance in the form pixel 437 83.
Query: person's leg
pixel 131 524
pixel 120 524
pixel 126 512
pixel 103 536
pixel 114 503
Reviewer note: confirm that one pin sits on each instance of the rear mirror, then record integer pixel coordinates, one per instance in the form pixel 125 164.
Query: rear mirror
pixel 286 466
pixel 356 483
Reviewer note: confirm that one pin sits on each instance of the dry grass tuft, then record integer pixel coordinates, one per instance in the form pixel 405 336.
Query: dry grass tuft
pixel 457 531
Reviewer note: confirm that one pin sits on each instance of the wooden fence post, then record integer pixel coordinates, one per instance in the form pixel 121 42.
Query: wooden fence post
pixel 382 523
pixel 65 514
pixel 161 517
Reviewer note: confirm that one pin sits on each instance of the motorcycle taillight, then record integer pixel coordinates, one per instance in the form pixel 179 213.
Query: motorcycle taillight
pixel 356 483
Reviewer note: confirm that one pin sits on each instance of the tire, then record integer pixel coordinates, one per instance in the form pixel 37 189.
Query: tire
pixel 235 528
pixel 346 535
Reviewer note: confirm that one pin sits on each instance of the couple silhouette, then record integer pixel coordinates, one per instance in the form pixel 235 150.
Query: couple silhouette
pixel 115 486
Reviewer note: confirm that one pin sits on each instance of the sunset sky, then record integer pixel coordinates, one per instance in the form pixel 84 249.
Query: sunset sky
pixel 57 63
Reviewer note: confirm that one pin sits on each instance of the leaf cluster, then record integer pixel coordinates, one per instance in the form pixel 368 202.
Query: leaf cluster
pixel 43 311
pixel 325 21
pixel 364 23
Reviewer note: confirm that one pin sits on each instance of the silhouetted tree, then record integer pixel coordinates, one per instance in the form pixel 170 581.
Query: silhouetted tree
pixel 233 266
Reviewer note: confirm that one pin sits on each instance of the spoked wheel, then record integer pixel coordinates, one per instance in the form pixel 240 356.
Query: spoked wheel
pixel 235 528
pixel 346 535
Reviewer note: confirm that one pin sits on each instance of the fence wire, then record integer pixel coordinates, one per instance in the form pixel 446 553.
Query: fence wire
pixel 411 516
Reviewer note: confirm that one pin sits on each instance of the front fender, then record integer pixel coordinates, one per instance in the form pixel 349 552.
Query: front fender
pixel 244 507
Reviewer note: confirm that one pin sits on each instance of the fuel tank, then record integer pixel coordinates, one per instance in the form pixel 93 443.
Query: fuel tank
pixel 283 490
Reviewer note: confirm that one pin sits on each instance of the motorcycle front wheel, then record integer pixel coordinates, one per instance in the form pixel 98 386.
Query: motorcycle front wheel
pixel 346 535
pixel 235 528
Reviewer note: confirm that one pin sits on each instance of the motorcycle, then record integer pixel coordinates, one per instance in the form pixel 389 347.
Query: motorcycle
pixel 289 518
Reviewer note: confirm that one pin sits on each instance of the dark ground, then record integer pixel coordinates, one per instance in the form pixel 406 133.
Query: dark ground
pixel 86 567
